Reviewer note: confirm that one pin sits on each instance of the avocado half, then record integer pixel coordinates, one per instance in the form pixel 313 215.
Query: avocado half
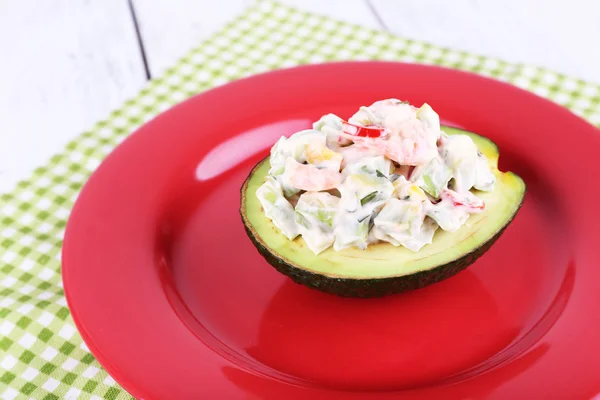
pixel 383 269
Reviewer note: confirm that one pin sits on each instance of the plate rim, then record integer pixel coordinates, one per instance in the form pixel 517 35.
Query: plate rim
pixel 73 225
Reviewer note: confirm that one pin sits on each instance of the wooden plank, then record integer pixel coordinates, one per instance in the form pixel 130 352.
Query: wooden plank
pixel 171 27
pixel 561 35
pixel 65 65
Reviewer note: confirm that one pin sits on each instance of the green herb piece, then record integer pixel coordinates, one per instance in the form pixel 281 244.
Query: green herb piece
pixel 368 198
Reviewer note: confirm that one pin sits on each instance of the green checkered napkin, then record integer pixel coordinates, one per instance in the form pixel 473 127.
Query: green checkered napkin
pixel 41 354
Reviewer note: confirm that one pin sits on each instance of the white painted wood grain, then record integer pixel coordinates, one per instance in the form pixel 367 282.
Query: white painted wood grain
pixel 65 64
pixel 171 27
pixel 557 34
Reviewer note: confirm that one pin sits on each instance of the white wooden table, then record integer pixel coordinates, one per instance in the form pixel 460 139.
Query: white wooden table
pixel 66 63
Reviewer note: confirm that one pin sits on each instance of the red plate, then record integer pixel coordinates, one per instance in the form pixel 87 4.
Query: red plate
pixel 176 303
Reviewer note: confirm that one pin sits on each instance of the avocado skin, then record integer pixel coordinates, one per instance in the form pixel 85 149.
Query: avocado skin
pixel 370 288
pixel 364 288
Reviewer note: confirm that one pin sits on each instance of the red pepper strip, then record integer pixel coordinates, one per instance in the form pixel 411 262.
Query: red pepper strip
pixel 362 131
pixel 457 202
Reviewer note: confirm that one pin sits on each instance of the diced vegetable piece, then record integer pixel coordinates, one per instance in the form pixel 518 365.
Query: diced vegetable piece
pixel 364 117
pixel 331 125
pixel 429 118
pixel 364 192
pixel 378 165
pixel 453 211
pixel 460 155
pixel 278 155
pixel 314 215
pixel 484 178
pixel 328 122
pixel 295 146
pixel 277 208
pixel 320 206
pixel 350 231
pixel 406 190
pixel 402 223
pixel 432 177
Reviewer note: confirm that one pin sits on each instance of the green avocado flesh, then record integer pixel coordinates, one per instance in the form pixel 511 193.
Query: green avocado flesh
pixel 382 268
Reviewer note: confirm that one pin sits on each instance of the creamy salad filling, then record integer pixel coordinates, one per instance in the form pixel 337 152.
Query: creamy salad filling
pixel 388 174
